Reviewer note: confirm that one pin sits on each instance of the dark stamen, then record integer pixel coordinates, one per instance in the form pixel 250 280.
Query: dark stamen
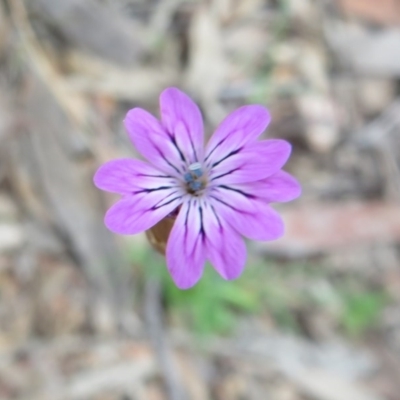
pixel 195 186
pixel 192 179
pixel 188 177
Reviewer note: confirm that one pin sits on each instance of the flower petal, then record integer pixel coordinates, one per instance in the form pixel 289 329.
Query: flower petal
pixel 137 213
pixel 153 142
pixel 252 163
pixel 226 249
pixel 182 119
pixel 250 217
pixel 239 128
pixel 278 188
pixel 185 252
pixel 125 176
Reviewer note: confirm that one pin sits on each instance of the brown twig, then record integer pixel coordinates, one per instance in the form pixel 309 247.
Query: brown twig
pixel 154 316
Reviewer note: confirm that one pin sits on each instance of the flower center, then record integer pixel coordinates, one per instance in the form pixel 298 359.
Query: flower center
pixel 194 179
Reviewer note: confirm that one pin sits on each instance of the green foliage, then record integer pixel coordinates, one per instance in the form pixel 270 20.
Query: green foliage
pixel 266 289
pixel 361 311
pixel 213 305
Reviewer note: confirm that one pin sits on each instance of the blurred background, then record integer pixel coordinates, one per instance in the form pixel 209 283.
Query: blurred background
pixel 86 315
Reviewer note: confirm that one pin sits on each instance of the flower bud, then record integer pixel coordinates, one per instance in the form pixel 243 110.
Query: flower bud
pixel 158 235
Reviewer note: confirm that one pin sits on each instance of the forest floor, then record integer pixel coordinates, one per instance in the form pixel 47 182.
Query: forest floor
pixel 85 315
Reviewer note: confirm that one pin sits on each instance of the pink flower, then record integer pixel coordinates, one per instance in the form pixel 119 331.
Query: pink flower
pixel 222 191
